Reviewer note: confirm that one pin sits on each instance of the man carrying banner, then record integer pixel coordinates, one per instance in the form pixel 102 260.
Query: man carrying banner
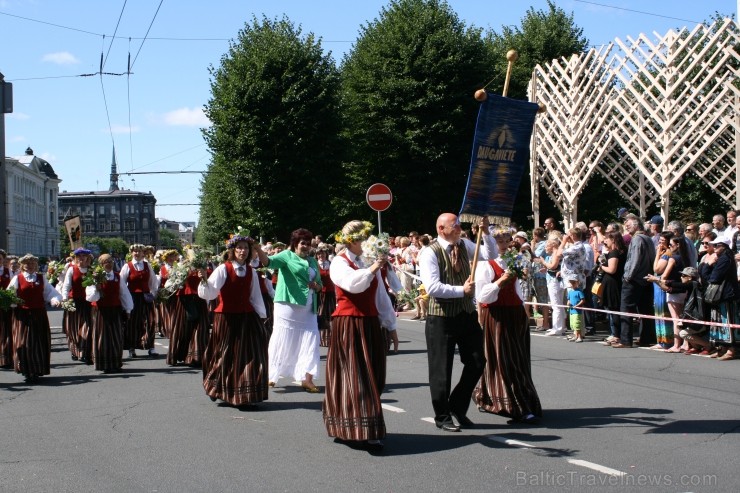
pixel 452 320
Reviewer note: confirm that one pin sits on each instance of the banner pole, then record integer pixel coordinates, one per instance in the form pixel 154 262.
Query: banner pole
pixel 511 57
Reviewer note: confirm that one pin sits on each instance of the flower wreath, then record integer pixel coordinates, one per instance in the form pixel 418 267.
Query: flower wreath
pixel 499 231
pixel 240 234
pixel 358 236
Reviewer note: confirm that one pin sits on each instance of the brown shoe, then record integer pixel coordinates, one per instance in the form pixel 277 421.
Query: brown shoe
pixel 726 357
pixel 619 345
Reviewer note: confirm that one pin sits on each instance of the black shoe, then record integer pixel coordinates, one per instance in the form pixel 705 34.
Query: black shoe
pixel 462 420
pixel 74 358
pixel 153 354
pixel 447 425
pixel 590 332
pixel 374 446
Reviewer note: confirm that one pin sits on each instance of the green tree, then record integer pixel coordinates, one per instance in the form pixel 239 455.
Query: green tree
pixel 275 124
pixel 109 245
pixel 169 240
pixel 409 111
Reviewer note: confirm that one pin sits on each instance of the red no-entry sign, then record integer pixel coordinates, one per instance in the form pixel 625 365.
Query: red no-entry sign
pixel 379 197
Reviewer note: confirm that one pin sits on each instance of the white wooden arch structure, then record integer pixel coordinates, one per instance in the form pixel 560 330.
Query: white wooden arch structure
pixel 643 113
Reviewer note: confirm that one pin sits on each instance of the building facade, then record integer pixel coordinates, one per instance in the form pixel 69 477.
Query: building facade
pixel 32 208
pixel 112 213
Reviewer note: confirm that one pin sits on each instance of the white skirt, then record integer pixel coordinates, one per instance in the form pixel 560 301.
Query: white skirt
pixel 294 344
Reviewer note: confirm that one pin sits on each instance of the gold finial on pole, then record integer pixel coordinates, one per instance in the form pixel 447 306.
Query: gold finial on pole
pixel 511 57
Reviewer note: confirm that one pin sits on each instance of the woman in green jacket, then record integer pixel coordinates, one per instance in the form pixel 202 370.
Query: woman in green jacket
pixel 294 344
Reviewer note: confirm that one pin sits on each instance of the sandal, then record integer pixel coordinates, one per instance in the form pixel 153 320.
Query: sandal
pixel 674 350
pixel 311 389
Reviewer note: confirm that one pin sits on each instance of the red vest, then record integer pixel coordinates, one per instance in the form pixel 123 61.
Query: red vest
pixel 191 284
pixel 138 281
pixel 507 293
pixel 234 294
pixel 32 293
pixel 326 282
pixel 163 275
pixel 77 292
pixel 5 278
pixel 359 304
pixel 110 293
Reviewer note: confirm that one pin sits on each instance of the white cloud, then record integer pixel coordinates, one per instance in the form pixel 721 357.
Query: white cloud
pixel 187 117
pixel 123 129
pixel 48 157
pixel 60 58
pixel 16 115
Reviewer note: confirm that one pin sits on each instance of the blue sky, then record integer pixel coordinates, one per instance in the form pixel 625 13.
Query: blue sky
pixel 155 115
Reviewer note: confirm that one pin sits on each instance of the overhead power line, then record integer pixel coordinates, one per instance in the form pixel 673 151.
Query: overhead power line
pixel 162 172
pixel 638 11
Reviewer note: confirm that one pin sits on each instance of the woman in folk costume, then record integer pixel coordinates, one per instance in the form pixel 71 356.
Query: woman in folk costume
pixel 356 361
pixel 142 283
pixel 6 328
pixel 110 301
pixel 77 324
pixel 294 343
pixel 506 387
pixel 31 332
pixel 235 361
pixel 327 296
pixel 189 320
pixel 165 307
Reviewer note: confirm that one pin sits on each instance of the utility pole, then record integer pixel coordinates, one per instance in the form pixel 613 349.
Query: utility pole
pixel 6 102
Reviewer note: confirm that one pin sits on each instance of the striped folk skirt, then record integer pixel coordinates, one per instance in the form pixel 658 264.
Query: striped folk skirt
pixel 506 386
pixel 139 330
pixel 107 338
pixel 189 330
pixel 165 310
pixel 355 377
pixel 6 338
pixel 327 305
pixel 77 325
pixel 31 342
pixel 235 361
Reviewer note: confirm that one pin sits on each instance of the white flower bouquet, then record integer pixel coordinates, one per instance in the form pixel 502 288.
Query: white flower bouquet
pixel 175 281
pixel 68 305
pixel 376 246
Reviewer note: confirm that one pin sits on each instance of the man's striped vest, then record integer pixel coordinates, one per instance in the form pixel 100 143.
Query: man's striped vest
pixel 450 307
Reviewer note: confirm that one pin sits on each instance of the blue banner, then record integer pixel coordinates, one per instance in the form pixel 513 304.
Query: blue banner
pixel 500 156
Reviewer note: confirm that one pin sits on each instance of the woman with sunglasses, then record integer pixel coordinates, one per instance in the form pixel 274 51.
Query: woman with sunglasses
pixel 663 325
pixel 678 259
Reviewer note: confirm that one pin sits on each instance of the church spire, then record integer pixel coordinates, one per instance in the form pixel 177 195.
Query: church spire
pixel 113 173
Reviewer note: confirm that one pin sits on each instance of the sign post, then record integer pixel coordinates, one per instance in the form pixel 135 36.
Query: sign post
pixel 379 198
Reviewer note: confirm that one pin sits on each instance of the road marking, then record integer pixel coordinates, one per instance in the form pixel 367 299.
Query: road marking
pixel 596 467
pixel 162 345
pixel 394 409
pixel 429 420
pixel 511 442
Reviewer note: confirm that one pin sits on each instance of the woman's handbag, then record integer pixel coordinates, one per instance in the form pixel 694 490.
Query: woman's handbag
pixel 713 293
pixel 597 289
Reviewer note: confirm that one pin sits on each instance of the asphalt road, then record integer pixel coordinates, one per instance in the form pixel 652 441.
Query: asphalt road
pixel 615 420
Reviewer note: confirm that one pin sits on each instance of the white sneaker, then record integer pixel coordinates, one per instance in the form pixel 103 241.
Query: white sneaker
pixel 553 332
